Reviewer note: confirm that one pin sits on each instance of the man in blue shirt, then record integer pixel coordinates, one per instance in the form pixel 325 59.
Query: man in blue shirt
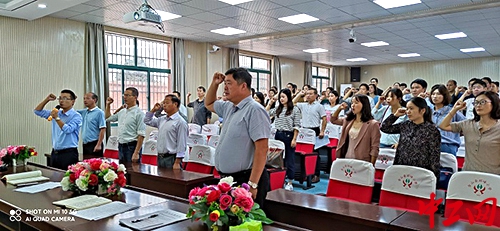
pixel 93 127
pixel 66 125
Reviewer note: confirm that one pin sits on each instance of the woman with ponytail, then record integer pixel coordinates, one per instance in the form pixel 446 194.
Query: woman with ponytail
pixel 420 140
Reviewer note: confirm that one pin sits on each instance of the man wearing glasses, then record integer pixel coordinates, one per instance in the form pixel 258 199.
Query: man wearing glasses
pixel 66 125
pixel 131 127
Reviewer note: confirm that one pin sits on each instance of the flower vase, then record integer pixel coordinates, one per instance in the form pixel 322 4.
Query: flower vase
pixel 101 190
pixel 17 163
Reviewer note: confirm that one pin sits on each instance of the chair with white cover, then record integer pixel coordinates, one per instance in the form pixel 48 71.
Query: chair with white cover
pixel 194 128
pixel 471 188
pixel 351 180
pixel 305 164
pixel 153 135
pixel 196 139
pixel 332 131
pixel 210 130
pixel 274 166
pixel 449 160
pixel 384 160
pixel 213 141
pixel 111 149
pixel 150 152
pixel 201 159
pixel 460 157
pixel 403 186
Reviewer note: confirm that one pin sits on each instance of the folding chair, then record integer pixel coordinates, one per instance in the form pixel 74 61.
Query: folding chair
pixel 111 149
pixel 210 130
pixel 351 180
pixel 201 159
pixel 150 153
pixel 194 128
pixel 384 160
pixel 276 171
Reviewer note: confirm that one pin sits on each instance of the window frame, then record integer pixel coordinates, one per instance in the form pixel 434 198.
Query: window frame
pixel 320 78
pixel 259 71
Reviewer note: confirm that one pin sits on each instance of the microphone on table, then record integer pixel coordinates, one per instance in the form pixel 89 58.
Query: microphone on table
pixel 57 109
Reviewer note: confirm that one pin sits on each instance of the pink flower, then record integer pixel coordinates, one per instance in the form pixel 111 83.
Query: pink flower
pixel 114 166
pixel 84 172
pixel 16 150
pixel 105 165
pixel 225 201
pixel 202 192
pixel 241 192
pixel 192 194
pixel 213 195
pixel 95 164
pixel 244 202
pixel 3 152
pixel 224 187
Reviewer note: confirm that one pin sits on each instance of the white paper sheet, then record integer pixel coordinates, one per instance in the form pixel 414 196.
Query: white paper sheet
pixel 153 220
pixel 39 187
pixel 321 142
pixel 103 211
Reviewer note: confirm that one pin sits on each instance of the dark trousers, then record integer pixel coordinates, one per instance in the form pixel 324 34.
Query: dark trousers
pixel 286 137
pixel 63 158
pixel 126 150
pixel 88 149
pixel 243 177
pixel 317 130
pixel 166 160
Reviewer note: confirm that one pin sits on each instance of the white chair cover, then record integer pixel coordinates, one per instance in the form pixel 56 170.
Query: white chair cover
pixel 333 130
pixel 196 139
pixel 150 148
pixel 275 147
pixel 153 135
pixel 474 186
pixel 462 141
pixel 353 171
pixel 202 154
pixel 112 143
pixel 306 136
pixel 273 132
pixel 385 158
pixel 210 129
pixel 461 152
pixel 213 141
pixel 449 160
pixel 409 180
pixel 194 128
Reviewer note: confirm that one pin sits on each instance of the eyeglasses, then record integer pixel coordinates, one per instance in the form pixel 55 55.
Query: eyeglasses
pixel 481 102
pixel 64 98
pixel 127 95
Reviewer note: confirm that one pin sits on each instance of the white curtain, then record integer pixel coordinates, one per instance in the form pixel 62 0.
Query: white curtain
pixel 276 72
pixel 179 66
pixel 96 64
pixel 308 73
pixel 234 57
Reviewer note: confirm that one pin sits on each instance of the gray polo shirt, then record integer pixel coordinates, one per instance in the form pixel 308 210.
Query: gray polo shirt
pixel 200 112
pixel 130 124
pixel 312 114
pixel 244 124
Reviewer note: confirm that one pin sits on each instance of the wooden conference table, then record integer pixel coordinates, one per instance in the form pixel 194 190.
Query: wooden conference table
pixel 147 200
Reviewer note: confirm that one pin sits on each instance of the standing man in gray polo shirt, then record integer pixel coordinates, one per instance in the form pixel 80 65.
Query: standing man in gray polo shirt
pixel 201 115
pixel 172 132
pixel 131 127
pixel 246 127
pixel 93 127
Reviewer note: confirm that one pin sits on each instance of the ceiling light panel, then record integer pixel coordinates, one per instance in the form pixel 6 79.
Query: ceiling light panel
pixel 409 55
pixel 299 18
pixel 356 60
pixel 315 50
pixel 235 2
pixel 388 4
pixel 165 16
pixel 475 49
pixel 375 44
pixel 228 31
pixel 451 35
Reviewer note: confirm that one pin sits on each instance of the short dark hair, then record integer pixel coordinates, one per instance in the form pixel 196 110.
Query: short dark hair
pixel 396 92
pixel 306 85
pixel 174 99
pixel 403 85
pixel 472 80
pixel 495 108
pixel 487 79
pixel 420 82
pixel 376 80
pixel 453 81
pixel 273 90
pixel 68 91
pixel 443 91
pixel 365 85
pixel 176 92
pixel 94 96
pixel 478 81
pixel 495 82
pixel 202 88
pixel 331 89
pixel 240 75
pixel 366 111
pixel 314 89
pixel 134 91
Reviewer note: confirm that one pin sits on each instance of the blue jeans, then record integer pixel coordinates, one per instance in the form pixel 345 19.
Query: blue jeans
pixel 449 148
pixel 286 138
pixel 125 151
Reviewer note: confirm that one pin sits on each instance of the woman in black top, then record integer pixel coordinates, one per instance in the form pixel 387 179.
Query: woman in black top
pixel 419 140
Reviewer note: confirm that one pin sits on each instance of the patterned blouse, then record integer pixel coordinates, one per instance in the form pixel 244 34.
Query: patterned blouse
pixel 419 144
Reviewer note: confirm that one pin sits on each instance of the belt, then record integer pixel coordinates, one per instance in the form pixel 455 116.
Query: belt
pixel 163 155
pixel 283 131
pixel 131 143
pixel 237 174
pixel 60 151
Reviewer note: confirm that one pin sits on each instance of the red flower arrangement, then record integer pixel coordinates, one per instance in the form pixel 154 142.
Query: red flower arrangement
pixel 96 176
pixel 223 204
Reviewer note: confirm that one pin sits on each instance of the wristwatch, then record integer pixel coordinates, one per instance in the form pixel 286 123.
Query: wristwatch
pixel 57 119
pixel 252 184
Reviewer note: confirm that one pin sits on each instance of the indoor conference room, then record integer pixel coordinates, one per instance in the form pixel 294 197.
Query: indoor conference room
pixel 217 115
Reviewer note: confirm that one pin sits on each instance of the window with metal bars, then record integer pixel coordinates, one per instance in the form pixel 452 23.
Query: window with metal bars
pixel 320 78
pixel 260 69
pixel 140 63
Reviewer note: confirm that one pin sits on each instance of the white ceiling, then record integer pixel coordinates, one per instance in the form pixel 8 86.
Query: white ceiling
pixel 407 29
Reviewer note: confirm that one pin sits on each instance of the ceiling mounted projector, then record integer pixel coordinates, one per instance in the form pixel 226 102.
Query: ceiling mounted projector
pixel 145 14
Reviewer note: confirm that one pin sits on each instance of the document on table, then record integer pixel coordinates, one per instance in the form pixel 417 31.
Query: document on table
pixel 38 188
pixel 25 177
pixel 103 211
pixel 153 220
pixel 82 202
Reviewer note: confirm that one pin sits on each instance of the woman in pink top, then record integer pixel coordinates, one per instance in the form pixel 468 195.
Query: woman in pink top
pixel 360 137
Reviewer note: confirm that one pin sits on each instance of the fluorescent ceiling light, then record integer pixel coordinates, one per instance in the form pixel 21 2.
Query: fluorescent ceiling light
pixel 388 4
pixel 42 6
pixel 356 60
pixel 228 31
pixel 315 50
pixel 299 18
pixel 167 16
pixel 409 55
pixel 451 35
pixel 375 44
pixel 235 2
pixel 475 49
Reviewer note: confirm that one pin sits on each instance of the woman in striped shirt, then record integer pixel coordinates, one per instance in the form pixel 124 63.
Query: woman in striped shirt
pixel 287 122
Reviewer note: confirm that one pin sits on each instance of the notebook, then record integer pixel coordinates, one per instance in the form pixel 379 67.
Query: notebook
pixel 82 202
pixel 25 178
